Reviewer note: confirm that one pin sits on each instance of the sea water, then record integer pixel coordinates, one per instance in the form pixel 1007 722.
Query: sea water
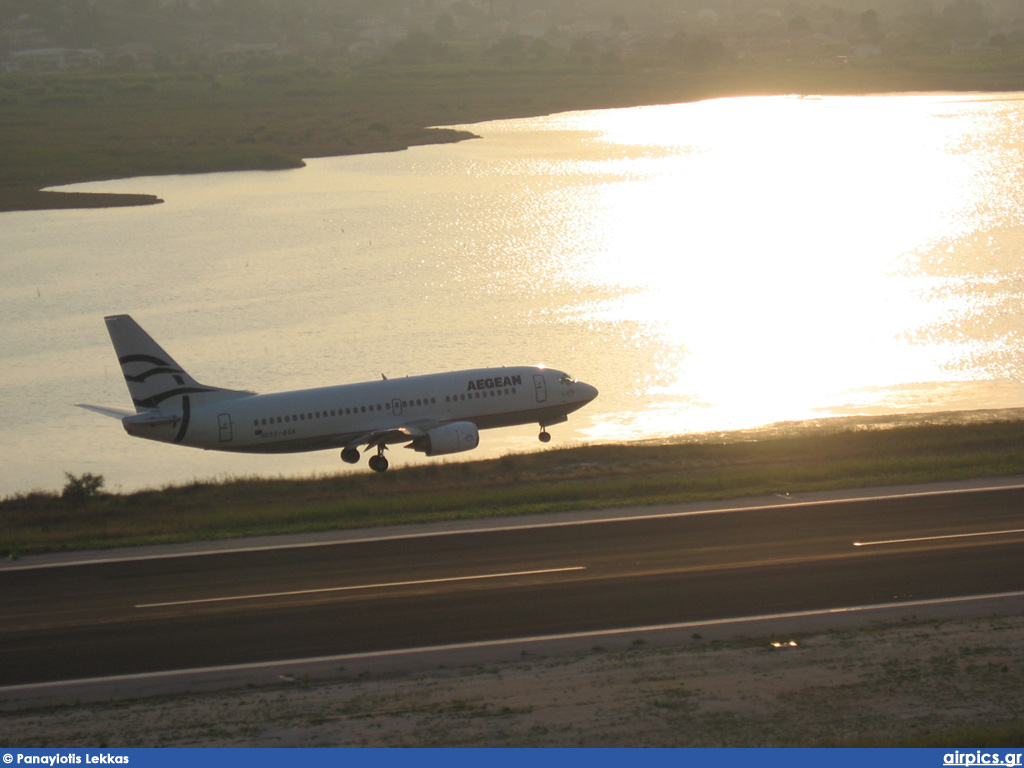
pixel 708 266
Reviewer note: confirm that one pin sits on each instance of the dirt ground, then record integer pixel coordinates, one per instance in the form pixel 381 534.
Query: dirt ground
pixel 880 684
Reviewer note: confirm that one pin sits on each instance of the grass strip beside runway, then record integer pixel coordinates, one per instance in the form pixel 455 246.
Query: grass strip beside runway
pixel 788 458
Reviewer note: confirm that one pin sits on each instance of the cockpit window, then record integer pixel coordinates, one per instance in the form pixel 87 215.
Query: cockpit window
pixel 566 379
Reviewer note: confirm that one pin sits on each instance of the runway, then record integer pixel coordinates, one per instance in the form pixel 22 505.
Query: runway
pixel 176 612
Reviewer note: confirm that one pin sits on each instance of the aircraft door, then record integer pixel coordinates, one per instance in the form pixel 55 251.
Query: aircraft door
pixel 396 407
pixel 542 390
pixel 225 427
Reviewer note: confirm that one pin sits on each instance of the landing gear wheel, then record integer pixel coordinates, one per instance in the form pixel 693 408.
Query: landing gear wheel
pixel 378 463
pixel 350 455
pixel 544 437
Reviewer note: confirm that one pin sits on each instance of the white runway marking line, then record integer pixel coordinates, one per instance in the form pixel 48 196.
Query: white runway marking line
pixel 364 586
pixel 937 538
pixel 501 528
pixel 398 652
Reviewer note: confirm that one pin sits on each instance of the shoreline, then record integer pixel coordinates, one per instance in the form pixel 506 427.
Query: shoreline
pixel 50 200
pixel 182 127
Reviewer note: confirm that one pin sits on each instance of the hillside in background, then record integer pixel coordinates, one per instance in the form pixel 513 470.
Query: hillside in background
pixel 100 89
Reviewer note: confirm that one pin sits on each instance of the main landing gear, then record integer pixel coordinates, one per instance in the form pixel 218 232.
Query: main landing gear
pixel 377 463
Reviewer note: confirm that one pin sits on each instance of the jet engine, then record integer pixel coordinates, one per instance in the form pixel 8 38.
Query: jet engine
pixel 450 438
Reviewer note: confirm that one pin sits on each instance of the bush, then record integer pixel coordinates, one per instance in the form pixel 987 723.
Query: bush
pixel 78 490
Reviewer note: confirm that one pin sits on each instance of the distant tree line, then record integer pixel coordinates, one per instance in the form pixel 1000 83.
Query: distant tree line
pixel 688 33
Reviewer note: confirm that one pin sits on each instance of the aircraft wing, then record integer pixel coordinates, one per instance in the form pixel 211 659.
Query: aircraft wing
pixel 403 434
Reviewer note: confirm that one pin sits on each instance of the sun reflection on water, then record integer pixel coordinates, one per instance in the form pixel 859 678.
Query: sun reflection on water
pixel 767 252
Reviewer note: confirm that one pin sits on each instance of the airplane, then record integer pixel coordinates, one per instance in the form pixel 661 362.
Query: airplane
pixel 435 414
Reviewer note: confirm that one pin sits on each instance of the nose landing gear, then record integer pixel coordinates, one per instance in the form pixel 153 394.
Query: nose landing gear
pixel 544 437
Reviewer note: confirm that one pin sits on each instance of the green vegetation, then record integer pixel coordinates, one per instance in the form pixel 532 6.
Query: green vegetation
pixel 786 459
pixel 87 126
pixel 1009 735
pixel 80 489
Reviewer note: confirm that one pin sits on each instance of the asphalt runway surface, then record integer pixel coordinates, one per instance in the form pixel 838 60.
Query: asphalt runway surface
pixel 147 615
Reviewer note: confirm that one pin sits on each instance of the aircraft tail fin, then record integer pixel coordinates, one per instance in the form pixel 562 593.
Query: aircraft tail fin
pixel 152 376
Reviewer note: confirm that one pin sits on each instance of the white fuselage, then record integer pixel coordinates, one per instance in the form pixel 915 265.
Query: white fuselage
pixel 437 414
pixel 333 417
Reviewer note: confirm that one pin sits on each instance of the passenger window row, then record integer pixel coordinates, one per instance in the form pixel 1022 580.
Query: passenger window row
pixel 479 393
pixel 379 408
pixel 335 412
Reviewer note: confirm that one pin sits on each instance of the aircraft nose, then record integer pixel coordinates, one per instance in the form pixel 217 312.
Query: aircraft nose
pixel 587 391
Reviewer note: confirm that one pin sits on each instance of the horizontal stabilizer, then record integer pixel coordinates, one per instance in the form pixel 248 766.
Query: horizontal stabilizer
pixel 153 419
pixel 114 413
pixel 146 418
